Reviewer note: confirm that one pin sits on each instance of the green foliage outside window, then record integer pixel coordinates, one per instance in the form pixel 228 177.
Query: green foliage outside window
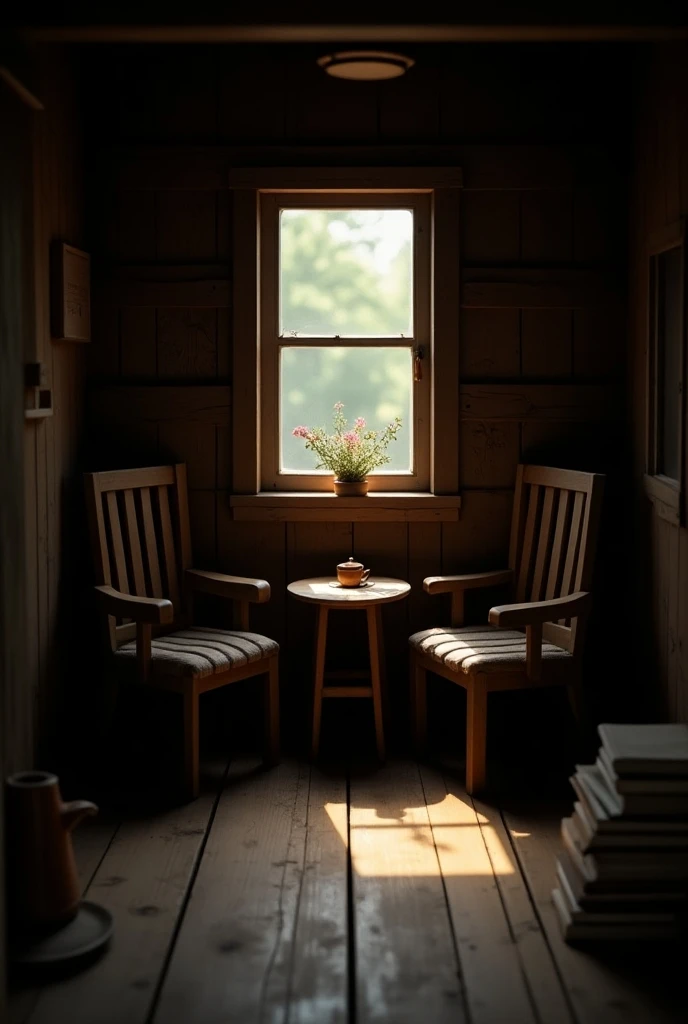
pixel 345 274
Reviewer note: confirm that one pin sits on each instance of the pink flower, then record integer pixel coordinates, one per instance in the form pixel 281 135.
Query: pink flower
pixel 339 406
pixel 360 423
pixel 300 432
pixel 351 438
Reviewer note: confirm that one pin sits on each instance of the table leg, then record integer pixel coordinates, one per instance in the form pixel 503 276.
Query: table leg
pixel 384 679
pixel 374 645
pixel 320 646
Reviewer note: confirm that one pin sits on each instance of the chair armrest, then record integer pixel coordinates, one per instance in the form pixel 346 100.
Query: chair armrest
pixel 234 588
pixel 155 610
pixel 458 585
pixel 533 613
pixel 468 581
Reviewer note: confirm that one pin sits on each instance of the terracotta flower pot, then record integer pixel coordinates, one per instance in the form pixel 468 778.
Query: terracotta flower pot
pixel 351 488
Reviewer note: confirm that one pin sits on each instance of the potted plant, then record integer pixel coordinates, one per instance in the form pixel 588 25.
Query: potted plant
pixel 350 453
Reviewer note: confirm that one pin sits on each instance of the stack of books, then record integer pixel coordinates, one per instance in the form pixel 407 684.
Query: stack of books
pixel 624 870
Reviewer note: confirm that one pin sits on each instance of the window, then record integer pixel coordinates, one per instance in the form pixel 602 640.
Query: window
pixel 667 296
pixel 345 289
pixel 345 317
pixel 665 445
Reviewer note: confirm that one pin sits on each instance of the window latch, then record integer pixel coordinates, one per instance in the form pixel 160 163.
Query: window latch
pixel 418 356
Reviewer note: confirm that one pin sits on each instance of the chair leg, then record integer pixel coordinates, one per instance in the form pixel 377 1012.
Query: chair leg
pixel 476 736
pixel 575 699
pixel 191 781
pixel 320 645
pixel 419 706
pixel 272 719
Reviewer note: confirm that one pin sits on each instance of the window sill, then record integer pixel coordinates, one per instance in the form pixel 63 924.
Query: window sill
pixel 379 507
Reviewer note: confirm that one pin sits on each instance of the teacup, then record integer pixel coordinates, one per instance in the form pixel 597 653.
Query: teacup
pixel 351 573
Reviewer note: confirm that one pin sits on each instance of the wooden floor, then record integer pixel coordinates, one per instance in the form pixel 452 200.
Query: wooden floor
pixel 309 897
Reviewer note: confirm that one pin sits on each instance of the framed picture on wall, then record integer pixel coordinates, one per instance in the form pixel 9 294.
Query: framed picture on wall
pixel 70 293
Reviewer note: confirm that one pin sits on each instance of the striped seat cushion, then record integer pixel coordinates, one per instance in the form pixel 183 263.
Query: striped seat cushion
pixel 201 651
pixel 479 648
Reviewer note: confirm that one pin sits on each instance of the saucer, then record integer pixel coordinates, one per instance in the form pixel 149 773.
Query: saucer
pixel 359 586
pixel 91 928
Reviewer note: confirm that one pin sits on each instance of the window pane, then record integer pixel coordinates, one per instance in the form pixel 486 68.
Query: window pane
pixel 374 383
pixel 346 273
pixel 669 359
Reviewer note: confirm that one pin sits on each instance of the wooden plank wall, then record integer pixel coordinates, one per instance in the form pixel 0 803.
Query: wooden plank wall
pixel 542 243
pixel 15 326
pixel 659 198
pixel 15 304
pixel 54 534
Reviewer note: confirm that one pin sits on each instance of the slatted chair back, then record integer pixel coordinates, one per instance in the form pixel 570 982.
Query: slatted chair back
pixel 139 525
pixel 553 539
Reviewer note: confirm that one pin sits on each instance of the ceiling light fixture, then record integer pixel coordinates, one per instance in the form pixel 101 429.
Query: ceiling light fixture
pixel 365 65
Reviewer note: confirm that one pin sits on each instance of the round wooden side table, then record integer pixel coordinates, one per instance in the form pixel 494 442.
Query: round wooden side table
pixel 328 595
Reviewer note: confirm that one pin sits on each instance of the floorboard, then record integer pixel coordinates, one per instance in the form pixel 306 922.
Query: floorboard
pixel 142 880
pixel 405 962
pixel 537 963
pixel 318 989
pixel 90 842
pixel 482 929
pixel 309 896
pixel 615 985
pixel 231 960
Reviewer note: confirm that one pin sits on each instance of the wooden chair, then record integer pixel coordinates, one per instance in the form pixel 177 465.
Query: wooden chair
pixel 139 524
pixel 551 557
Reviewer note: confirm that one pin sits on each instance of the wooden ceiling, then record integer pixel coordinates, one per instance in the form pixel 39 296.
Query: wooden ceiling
pixel 269 22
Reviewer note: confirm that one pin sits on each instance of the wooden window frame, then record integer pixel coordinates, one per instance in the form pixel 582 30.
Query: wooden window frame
pixel 272 343
pixel 441 185
pixel 666 493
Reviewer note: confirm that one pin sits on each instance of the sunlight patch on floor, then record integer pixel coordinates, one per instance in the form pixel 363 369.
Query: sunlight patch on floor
pixel 405 845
